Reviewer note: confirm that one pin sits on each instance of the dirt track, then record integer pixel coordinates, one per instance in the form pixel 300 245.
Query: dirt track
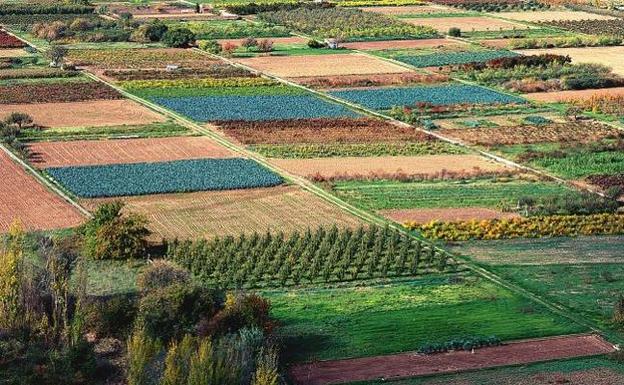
pixel 412 364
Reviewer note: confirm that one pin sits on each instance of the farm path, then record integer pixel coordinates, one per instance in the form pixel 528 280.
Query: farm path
pixel 414 364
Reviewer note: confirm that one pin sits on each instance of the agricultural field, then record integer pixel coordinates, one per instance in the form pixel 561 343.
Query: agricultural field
pixel 310 193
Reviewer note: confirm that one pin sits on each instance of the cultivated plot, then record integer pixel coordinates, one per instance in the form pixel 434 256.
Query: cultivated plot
pixel 466 24
pixel 609 56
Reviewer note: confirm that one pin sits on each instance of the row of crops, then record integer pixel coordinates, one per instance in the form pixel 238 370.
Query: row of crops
pixel 163 177
pixel 322 255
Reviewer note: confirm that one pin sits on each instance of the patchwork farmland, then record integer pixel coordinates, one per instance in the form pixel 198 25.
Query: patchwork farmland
pixel 293 192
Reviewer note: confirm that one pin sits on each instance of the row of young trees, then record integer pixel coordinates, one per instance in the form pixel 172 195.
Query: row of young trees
pixel 319 256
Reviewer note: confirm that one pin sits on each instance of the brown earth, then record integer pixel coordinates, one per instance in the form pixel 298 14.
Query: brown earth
pixel 426 164
pixel 321 65
pixel 564 96
pixel 401 44
pixel 93 152
pixel 444 215
pixel 466 24
pixel 97 113
pixel 23 198
pixel 220 213
pixel 322 131
pixel 413 364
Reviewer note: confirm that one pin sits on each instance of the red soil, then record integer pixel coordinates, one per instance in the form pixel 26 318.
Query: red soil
pixel 413 364
pixel 23 198
pixel 93 152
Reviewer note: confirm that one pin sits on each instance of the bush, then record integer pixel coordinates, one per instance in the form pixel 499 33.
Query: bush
pixel 211 46
pixel 178 38
pixel 454 32
pixel 312 43
pixel 112 235
pixel 265 45
pixel 112 316
pixel 618 312
pixel 240 311
pixel 175 310
pixel 161 273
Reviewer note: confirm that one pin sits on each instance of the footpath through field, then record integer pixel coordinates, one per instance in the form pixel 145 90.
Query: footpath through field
pixel 414 364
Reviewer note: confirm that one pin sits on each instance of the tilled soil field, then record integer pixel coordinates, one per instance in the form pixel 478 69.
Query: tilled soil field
pixel 23 198
pixel 411 364
pixel 56 93
pixel 97 152
pixel 566 96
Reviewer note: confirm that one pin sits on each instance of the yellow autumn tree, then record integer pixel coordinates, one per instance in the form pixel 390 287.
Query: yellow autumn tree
pixel 11 277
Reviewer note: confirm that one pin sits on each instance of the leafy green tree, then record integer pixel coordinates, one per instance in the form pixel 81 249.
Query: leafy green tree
pixel 178 38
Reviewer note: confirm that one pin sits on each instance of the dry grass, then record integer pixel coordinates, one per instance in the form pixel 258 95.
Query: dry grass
pixel 534 16
pixel 322 65
pixel 426 164
pixel 566 96
pixel 23 198
pixel 444 214
pixel 92 152
pixel 13 52
pixel 466 24
pixel 220 213
pixel 609 56
pixel 97 113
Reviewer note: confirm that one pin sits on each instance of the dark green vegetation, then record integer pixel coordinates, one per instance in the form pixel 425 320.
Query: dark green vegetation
pixel 232 29
pixel 402 316
pixel 491 192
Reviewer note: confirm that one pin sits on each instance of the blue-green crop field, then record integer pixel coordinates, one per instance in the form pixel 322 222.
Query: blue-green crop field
pixel 163 177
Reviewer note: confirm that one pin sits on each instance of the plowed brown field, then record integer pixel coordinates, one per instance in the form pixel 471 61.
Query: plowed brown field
pixel 219 213
pixel 91 152
pixel 321 65
pixel 85 114
pixel 412 364
pixel 565 96
pixel 426 164
pixel 22 197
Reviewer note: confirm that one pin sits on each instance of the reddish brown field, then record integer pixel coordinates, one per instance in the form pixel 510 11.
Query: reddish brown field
pixel 412 364
pixel 85 114
pixel 56 92
pixel 343 130
pixel 23 198
pixel 331 168
pixel 444 215
pixel 370 80
pixel 401 44
pixel 92 152
pixel 220 213
pixel 322 65
pixel 566 96
pixel 564 132
pixel 10 41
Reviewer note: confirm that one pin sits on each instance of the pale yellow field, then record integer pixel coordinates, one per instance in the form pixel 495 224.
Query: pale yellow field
pixel 553 16
pixel 565 96
pixel 609 56
pixel 13 52
pixel 466 24
pixel 322 65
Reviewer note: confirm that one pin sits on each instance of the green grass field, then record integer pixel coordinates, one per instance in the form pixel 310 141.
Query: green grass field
pixel 355 149
pixel 439 194
pixel 75 133
pixel 320 324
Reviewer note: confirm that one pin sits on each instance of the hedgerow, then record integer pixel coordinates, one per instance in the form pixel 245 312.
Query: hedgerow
pixel 314 256
pixel 256 107
pixel 531 227
pixel 163 177
pixel 346 23
pixel 453 58
pixel 386 98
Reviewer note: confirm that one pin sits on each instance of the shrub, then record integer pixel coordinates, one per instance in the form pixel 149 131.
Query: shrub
pixel 178 38
pixel 240 311
pixel 161 273
pixel 313 43
pixel 143 351
pixel 454 31
pixel 175 310
pixel 618 312
pixel 112 235
pixel 265 45
pixel 211 46
pixel 249 42
pixel 112 316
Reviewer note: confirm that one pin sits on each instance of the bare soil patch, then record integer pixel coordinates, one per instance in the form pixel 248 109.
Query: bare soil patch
pixel 445 215
pixel 220 213
pixel 609 56
pixel 96 152
pixel 344 130
pixel 322 65
pixel 23 198
pixel 565 96
pixel 85 114
pixel 427 164
pixel 553 16
pixel 401 44
pixel 466 24
pixel 412 364
pixel 13 52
